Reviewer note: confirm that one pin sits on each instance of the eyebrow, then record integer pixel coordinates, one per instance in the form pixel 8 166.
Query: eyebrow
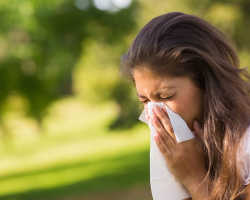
pixel 157 93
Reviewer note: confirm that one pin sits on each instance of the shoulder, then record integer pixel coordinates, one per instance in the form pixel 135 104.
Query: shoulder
pixel 245 143
pixel 244 157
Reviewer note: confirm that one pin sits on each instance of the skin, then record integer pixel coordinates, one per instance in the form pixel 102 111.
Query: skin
pixel 185 160
pixel 186 98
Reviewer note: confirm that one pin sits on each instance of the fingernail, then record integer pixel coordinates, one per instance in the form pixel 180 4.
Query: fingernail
pixel 157 109
pixel 157 138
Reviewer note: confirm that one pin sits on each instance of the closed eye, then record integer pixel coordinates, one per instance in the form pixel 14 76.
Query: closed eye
pixel 144 102
pixel 167 97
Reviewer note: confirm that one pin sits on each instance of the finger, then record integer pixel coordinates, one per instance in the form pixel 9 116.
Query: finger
pixel 146 108
pixel 162 147
pixel 165 122
pixel 160 129
pixel 166 138
pixel 197 133
pixel 147 117
pixel 197 128
pixel 165 111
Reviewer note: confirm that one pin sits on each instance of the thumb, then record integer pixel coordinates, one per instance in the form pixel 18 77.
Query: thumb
pixel 197 128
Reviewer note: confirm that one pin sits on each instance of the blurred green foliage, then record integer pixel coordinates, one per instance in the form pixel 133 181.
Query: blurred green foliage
pixel 59 63
pixel 52 49
pixel 41 42
pixel 75 161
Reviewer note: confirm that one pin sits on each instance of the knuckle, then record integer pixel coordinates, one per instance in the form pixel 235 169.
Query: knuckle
pixel 166 153
pixel 166 137
pixel 170 128
pixel 164 150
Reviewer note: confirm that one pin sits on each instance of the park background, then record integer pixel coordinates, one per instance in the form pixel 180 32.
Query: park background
pixel 69 124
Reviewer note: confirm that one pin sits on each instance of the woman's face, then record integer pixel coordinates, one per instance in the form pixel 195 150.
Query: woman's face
pixel 178 93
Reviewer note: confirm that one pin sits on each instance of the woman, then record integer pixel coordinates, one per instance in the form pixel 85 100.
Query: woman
pixel 189 65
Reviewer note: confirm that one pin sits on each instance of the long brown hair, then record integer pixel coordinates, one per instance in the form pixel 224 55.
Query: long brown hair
pixel 177 44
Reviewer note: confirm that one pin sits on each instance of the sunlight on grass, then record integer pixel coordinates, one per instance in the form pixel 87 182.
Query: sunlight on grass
pixel 91 150
pixel 84 150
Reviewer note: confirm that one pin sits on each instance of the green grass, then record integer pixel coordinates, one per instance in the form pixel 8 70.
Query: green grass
pixel 83 158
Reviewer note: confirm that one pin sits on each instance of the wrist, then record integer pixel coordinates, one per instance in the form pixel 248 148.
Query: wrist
pixel 198 188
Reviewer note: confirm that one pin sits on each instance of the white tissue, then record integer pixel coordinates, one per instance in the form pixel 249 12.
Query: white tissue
pixel 163 184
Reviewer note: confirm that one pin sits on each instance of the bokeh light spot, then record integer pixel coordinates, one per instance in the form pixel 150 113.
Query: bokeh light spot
pixel 103 4
pixel 122 3
pixel 82 4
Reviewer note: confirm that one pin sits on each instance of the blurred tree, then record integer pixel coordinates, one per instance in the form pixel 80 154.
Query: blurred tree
pixel 96 80
pixel 232 17
pixel 41 41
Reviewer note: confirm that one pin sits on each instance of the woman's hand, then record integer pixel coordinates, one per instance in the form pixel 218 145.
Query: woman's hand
pixel 186 160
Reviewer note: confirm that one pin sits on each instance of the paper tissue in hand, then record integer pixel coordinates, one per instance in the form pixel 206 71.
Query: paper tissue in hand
pixel 163 184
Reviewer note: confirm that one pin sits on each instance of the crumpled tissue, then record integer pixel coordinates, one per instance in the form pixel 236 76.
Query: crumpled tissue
pixel 163 184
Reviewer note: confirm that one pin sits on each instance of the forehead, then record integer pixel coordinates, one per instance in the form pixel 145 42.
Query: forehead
pixel 145 79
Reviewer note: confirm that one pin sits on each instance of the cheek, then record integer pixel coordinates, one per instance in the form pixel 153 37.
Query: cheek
pixel 188 107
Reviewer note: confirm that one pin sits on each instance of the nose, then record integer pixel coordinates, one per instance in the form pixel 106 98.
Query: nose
pixel 149 100
pixel 153 100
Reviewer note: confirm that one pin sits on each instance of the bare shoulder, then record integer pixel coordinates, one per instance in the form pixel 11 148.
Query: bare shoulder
pixel 247 197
